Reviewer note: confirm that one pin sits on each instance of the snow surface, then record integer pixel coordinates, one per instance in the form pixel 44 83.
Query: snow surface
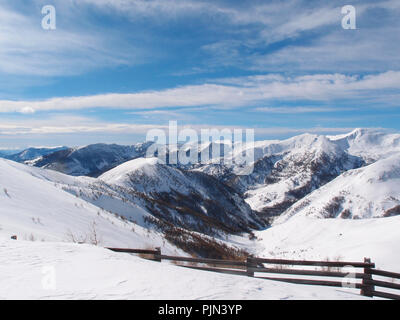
pixel 27 271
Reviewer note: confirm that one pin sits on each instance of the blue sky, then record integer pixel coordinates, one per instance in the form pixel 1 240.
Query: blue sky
pixel 113 69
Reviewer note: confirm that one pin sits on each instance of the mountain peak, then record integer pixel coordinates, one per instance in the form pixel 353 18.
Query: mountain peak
pixel 121 172
pixel 357 133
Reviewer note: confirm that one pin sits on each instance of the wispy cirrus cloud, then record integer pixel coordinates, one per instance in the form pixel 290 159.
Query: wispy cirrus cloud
pixel 27 49
pixel 307 36
pixel 236 34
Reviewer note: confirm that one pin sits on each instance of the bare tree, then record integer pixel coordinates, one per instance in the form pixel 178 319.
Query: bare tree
pixel 71 237
pixel 93 236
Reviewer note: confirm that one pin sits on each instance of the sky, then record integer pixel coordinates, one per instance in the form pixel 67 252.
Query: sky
pixel 112 70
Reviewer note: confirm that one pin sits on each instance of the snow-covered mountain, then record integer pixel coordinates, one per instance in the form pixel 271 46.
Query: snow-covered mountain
pixel 31 153
pixel 369 144
pixel 286 171
pixel 36 209
pixel 289 170
pixel 91 160
pixel 176 218
pixel 371 191
pixel 189 199
pixel 209 197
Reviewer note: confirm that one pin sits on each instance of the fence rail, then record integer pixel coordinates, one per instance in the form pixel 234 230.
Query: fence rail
pixel 308 272
pixel 384 273
pixel 206 261
pixel 139 251
pixel 254 265
pixel 315 263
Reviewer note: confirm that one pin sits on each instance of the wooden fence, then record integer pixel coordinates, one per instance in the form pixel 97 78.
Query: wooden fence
pixel 360 277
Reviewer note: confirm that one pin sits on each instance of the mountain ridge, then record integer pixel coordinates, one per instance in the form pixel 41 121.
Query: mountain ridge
pixel 285 171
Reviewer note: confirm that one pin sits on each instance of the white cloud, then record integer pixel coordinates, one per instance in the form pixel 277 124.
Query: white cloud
pixel 241 92
pixel 27 110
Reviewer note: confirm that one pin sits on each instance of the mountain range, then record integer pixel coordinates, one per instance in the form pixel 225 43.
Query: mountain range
pixel 201 208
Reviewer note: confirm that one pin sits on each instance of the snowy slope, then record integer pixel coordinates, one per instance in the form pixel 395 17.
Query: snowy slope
pixel 371 191
pixel 134 210
pixel 87 272
pixel 37 210
pixel 370 144
pixel 103 196
pixel 335 239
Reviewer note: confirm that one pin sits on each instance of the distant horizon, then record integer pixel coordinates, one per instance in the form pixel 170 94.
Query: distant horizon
pixel 20 149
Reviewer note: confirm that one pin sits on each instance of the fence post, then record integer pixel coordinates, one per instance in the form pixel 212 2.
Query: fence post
pixel 250 264
pixel 368 286
pixel 157 256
